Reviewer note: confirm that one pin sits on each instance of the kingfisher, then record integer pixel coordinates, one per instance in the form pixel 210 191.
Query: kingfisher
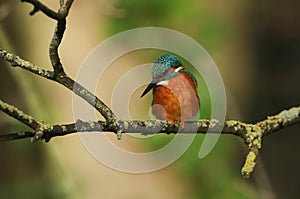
pixel 174 88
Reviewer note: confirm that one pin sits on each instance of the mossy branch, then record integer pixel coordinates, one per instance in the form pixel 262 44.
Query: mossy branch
pixel 58 75
pixel 252 134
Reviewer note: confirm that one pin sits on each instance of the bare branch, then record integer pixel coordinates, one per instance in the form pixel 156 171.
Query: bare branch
pixel 64 11
pixel 37 126
pixel 55 42
pixel 88 96
pixel 16 136
pixel 252 134
pixel 19 115
pixel 66 81
pixel 61 77
pixel 58 74
pixel 16 61
pixel 38 6
pixel 60 16
pixel 248 132
pixel 53 49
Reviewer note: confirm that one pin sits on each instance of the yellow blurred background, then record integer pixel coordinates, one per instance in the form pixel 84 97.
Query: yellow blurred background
pixel 256 46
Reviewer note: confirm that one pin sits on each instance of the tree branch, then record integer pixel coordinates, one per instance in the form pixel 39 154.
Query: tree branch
pixel 64 80
pixel 19 115
pixel 57 37
pixel 61 77
pixel 38 126
pixel 248 132
pixel 38 6
pixel 58 75
pixel 61 14
pixel 16 61
pixel 252 134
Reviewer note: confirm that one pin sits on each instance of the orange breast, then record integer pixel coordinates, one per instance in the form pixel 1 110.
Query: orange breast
pixel 176 101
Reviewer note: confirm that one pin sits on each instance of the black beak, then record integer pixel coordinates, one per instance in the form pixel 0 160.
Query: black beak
pixel 149 87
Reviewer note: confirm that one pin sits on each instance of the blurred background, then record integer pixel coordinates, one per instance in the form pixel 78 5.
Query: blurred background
pixel 256 46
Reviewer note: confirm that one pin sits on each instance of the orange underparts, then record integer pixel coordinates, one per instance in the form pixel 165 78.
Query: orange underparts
pixel 173 122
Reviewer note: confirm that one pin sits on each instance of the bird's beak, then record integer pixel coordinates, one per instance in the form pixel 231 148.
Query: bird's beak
pixel 149 87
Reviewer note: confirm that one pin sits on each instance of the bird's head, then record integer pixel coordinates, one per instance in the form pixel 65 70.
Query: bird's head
pixel 161 68
pixel 162 65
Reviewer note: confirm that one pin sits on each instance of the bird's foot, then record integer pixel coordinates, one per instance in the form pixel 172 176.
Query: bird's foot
pixel 173 122
pixel 170 120
pixel 182 124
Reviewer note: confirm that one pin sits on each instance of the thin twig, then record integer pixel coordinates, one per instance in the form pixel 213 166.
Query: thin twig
pixel 60 76
pixel 252 134
pixel 56 40
pixel 38 6
pixel 63 79
pixel 16 61
pixel 19 115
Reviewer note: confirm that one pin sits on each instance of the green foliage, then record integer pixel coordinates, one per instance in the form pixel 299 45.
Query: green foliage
pixel 141 13
pixel 189 17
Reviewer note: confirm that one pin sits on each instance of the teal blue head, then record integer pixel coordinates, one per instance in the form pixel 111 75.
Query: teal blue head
pixel 162 65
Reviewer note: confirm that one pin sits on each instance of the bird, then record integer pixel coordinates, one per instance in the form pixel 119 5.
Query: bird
pixel 174 89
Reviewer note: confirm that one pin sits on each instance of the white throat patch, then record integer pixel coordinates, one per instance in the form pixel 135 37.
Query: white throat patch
pixel 178 69
pixel 166 82
pixel 163 83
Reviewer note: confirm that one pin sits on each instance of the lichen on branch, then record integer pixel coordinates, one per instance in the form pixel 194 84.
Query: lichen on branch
pixel 251 134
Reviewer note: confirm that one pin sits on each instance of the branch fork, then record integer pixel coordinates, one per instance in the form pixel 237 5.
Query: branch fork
pixel 252 134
